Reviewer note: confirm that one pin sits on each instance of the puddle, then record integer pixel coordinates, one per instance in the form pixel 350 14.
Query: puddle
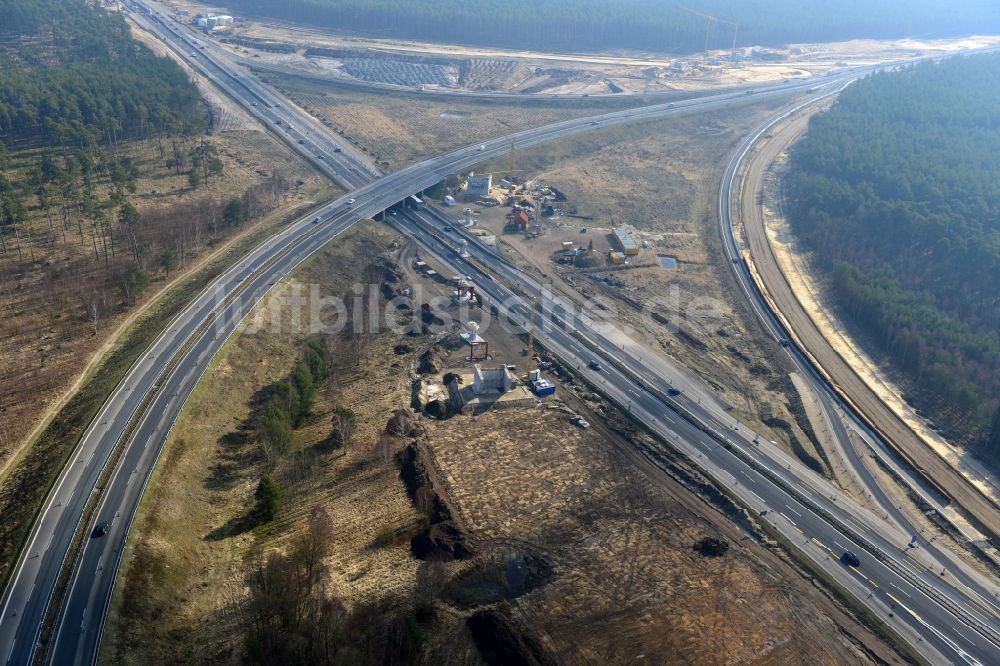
pixel 668 262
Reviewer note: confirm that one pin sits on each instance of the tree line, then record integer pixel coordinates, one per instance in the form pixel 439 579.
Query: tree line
pixel 896 190
pixel 662 26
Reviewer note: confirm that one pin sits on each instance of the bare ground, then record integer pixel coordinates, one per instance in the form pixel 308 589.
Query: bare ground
pixel 399 129
pixel 661 179
pixel 318 50
pixel 618 533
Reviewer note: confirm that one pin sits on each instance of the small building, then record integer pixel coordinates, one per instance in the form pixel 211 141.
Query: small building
pixel 542 387
pixel 521 220
pixel 617 258
pixel 568 245
pixel 478 186
pixel 625 240
pixel 449 200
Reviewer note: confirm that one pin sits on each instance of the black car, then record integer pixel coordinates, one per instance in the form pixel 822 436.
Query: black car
pixel 595 365
pixel 101 529
pixel 850 559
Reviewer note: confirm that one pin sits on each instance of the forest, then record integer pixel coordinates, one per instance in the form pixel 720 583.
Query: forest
pixel 896 191
pixel 660 26
pixel 70 72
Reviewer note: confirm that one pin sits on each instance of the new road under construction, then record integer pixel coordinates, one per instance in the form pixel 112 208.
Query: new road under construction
pixel 58 598
pixel 937 481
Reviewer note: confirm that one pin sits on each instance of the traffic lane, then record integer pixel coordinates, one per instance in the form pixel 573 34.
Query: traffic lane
pixel 714 454
pixel 178 339
pixel 78 633
pixel 828 532
pixel 787 506
pixel 770 320
pixel 124 491
pixel 840 508
pixel 625 116
pixel 713 420
pixel 899 555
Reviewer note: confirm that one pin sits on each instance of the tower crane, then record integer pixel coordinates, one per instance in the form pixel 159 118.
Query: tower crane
pixel 709 20
pixel 531 334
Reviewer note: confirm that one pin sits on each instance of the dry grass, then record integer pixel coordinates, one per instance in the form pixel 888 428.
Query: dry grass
pixel 399 129
pixel 181 579
pixel 629 588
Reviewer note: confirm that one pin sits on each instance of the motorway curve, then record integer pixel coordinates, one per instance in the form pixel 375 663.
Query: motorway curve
pixel 155 390
pixel 862 399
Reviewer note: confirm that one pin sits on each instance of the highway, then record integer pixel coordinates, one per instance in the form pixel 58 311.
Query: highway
pixel 175 360
pixel 881 423
pixel 735 196
pixel 139 414
pixel 808 513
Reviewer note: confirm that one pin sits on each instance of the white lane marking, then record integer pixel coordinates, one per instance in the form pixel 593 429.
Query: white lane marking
pixel 759 498
pixel 787 518
pixel 793 511
pixel 900 590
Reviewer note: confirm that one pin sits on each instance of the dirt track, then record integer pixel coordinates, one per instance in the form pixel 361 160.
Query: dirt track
pixel 984 514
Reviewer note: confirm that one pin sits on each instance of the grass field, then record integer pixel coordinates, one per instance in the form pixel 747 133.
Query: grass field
pixel 661 178
pixel 399 129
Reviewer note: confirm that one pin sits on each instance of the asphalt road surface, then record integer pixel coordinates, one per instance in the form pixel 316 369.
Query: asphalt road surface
pixel 807 335
pixel 914 600
pixel 157 387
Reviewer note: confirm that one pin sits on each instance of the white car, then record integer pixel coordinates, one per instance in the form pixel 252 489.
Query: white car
pixel 350 202
pixel 481 148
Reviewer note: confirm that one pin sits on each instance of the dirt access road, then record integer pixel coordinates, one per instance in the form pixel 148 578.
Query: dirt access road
pixel 750 212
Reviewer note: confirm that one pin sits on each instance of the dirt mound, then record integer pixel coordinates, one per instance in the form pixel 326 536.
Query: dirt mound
pixel 401 424
pixel 710 547
pixel 437 409
pixel 430 363
pixel 502 641
pixel 442 542
pixel 442 539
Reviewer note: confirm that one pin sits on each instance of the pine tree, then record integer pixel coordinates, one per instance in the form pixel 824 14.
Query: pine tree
pixel 268 496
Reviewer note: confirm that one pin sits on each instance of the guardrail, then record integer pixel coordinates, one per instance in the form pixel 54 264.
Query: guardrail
pixel 845 401
pixel 56 603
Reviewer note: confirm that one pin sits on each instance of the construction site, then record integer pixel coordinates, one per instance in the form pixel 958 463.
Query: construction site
pixel 486 484
pixel 532 388
pixel 421 67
